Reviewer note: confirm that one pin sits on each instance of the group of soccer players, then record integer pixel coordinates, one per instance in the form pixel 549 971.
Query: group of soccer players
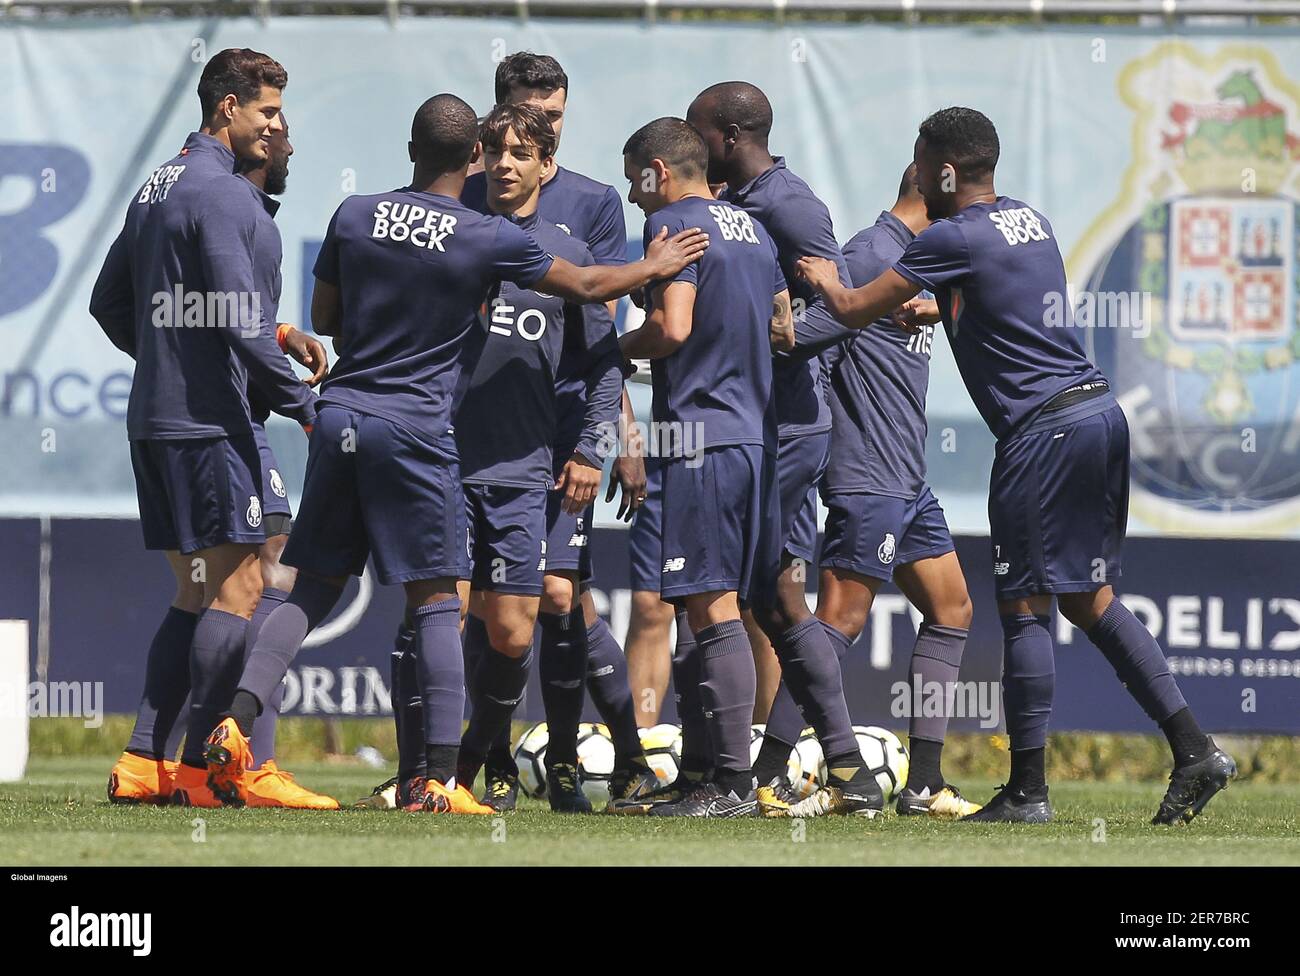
pixel 459 441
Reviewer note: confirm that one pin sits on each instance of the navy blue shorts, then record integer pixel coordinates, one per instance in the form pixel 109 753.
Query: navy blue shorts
pixel 196 493
pixel 721 526
pixel 645 535
pixel 800 463
pixel 568 538
pixel 506 538
pixel 1058 502
pixel 373 486
pixel 871 534
pixel 275 497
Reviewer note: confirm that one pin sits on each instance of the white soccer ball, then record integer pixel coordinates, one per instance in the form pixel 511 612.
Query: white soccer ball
pixel 806 767
pixel 530 757
pixel 662 746
pixel 595 762
pixel 885 758
pixel 756 733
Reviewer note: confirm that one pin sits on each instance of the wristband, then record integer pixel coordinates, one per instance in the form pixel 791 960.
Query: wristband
pixel 281 335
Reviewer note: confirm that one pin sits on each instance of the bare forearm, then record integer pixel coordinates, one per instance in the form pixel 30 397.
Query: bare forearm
pixel 647 342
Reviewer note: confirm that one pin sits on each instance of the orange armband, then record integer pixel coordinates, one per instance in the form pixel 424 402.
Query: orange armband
pixel 281 335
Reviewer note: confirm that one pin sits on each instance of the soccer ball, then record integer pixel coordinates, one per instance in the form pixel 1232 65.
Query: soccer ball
pixel 756 733
pixel 806 767
pixel 530 757
pixel 662 746
pixel 885 757
pixel 595 762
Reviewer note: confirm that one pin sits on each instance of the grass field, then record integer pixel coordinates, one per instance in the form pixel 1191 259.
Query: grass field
pixel 59 817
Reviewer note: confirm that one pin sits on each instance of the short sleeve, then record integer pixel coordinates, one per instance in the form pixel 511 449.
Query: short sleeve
pixel 691 272
pixel 937 258
pixel 517 257
pixel 327 259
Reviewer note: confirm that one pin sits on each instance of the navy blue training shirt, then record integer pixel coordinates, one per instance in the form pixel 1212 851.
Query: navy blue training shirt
pixel 506 421
pixel 412 269
pixel 991 268
pixel 721 377
pixel 180 292
pixel 800 224
pixel 267 256
pixel 877 384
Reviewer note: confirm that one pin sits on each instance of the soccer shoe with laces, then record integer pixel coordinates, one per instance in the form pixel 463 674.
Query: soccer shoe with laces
pixel 564 791
pixel 630 785
pixel 228 754
pixel 776 798
pixel 1194 785
pixel 502 791
pixel 190 788
pixel 944 804
pixel 272 786
pixel 1014 806
pixel 382 797
pixel 451 799
pixel 857 796
pixel 639 806
pixel 135 779
pixel 708 800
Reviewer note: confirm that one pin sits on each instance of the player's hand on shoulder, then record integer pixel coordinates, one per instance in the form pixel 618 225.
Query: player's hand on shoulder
pixel 579 480
pixel 305 349
pixel 668 255
pixel 818 272
pixel 913 315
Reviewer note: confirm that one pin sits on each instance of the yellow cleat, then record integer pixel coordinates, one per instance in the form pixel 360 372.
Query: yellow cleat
pixel 228 755
pixel 440 799
pixel 776 798
pixel 382 797
pixel 190 788
pixel 947 804
pixel 271 786
pixel 135 779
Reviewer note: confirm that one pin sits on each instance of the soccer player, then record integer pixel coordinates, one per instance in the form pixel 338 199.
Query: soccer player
pixel 179 292
pixel 591 212
pixel 708 333
pixel 505 428
pixel 649 655
pixel 1058 495
pixel 399 280
pixel 735 119
pixel 883 522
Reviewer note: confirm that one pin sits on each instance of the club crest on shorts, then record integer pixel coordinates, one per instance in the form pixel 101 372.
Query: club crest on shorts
pixel 254 513
pixel 887 549
pixel 277 483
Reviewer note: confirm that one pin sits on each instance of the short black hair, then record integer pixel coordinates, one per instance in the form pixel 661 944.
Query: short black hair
pixel 444 131
pixel 673 140
pixel 529 123
pixel 523 69
pixel 965 137
pixel 740 104
pixel 240 72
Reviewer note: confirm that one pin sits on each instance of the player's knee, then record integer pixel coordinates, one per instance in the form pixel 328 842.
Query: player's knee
pixel 557 594
pixel 955 613
pixel 512 635
pixel 849 621
pixel 277 576
pixel 649 612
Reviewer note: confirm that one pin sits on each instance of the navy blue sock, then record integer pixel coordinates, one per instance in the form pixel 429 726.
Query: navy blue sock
pixel 500 681
pixel 562 667
pixel 727 691
pixel 697 746
pixel 475 643
pixel 215 659
pixel 282 635
pixel 166 683
pixel 607 683
pixel 811 669
pixel 262 741
pixel 936 661
pixel 784 723
pixel 440 671
pixel 1028 679
pixel 408 706
pixel 1138 661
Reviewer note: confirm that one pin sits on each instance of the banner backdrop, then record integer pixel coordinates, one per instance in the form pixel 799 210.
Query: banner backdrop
pixel 1168 164
pixel 1233 638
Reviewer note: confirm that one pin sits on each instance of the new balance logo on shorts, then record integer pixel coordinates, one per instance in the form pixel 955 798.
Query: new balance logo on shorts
pixel 674 565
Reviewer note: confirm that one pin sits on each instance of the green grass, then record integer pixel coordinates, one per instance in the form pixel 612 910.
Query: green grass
pixel 59 816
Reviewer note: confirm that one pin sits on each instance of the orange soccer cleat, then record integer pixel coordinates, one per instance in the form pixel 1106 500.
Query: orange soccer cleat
pixel 190 788
pixel 271 786
pixel 136 779
pixel 440 799
pixel 228 755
